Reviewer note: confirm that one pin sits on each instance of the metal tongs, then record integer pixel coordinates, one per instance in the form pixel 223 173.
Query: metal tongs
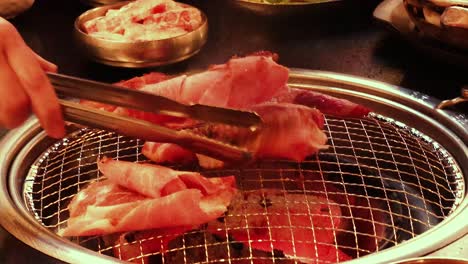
pixel 114 95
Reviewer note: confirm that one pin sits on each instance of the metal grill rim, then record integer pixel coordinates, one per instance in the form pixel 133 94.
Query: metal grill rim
pixel 445 164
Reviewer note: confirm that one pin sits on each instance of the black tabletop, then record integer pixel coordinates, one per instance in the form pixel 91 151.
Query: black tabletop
pixel 340 37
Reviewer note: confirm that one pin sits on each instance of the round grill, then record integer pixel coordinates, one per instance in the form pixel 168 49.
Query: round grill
pixel 390 181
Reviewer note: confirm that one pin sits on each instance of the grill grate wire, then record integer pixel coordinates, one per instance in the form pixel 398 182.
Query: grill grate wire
pixel 390 181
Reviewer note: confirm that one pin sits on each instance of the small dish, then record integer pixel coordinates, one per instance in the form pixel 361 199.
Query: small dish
pixel 138 54
pixel 442 20
pixel 280 7
pixel 96 3
pixel 393 15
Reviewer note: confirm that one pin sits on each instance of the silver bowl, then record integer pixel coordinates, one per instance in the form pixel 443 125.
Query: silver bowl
pixel 138 54
pixel 433 260
pixel 100 2
pixel 279 7
pixel 440 20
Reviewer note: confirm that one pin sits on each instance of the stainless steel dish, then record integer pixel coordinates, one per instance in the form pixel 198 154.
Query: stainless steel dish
pixel 138 54
pixel 273 8
pixel 408 158
pixel 96 3
pixel 445 21
pixel 431 260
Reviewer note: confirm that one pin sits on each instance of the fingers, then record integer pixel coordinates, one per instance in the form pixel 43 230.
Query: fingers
pixel 30 74
pixel 15 104
pixel 46 65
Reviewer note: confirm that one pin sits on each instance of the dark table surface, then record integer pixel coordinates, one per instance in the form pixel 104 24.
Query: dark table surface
pixel 341 37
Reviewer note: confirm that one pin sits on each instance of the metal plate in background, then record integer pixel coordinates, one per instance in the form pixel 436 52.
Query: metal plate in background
pixel 270 8
pixel 392 14
pixel 96 3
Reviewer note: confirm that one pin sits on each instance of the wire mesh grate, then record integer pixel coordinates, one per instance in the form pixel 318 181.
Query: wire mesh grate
pixel 378 184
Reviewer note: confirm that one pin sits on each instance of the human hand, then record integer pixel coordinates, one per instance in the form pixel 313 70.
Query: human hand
pixel 24 85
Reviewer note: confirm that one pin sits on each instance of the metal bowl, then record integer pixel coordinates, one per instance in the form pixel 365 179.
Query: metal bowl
pixel 432 19
pixel 138 54
pixel 433 260
pixel 100 2
pixel 273 9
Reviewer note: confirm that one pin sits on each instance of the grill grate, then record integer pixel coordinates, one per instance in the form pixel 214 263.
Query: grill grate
pixel 390 182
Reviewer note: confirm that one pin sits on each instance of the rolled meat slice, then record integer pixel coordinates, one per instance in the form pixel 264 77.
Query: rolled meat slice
pixel 141 196
pixel 289 131
pixel 156 181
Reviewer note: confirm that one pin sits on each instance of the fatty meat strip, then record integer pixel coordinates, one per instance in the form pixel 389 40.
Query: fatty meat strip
pixel 167 199
pixel 327 104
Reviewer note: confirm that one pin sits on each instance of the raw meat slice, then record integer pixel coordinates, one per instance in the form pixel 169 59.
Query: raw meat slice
pixel 186 207
pixel 133 83
pixel 182 208
pixel 102 193
pixel 167 153
pixel 149 196
pixel 157 181
pixel 239 83
pixel 292 131
pixel 141 81
pixel 288 131
pixel 327 104
pixel 301 226
pixel 145 20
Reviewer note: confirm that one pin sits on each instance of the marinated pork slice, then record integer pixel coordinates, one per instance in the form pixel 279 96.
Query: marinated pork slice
pixel 301 226
pixel 166 199
pixel 327 104
pixel 145 20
